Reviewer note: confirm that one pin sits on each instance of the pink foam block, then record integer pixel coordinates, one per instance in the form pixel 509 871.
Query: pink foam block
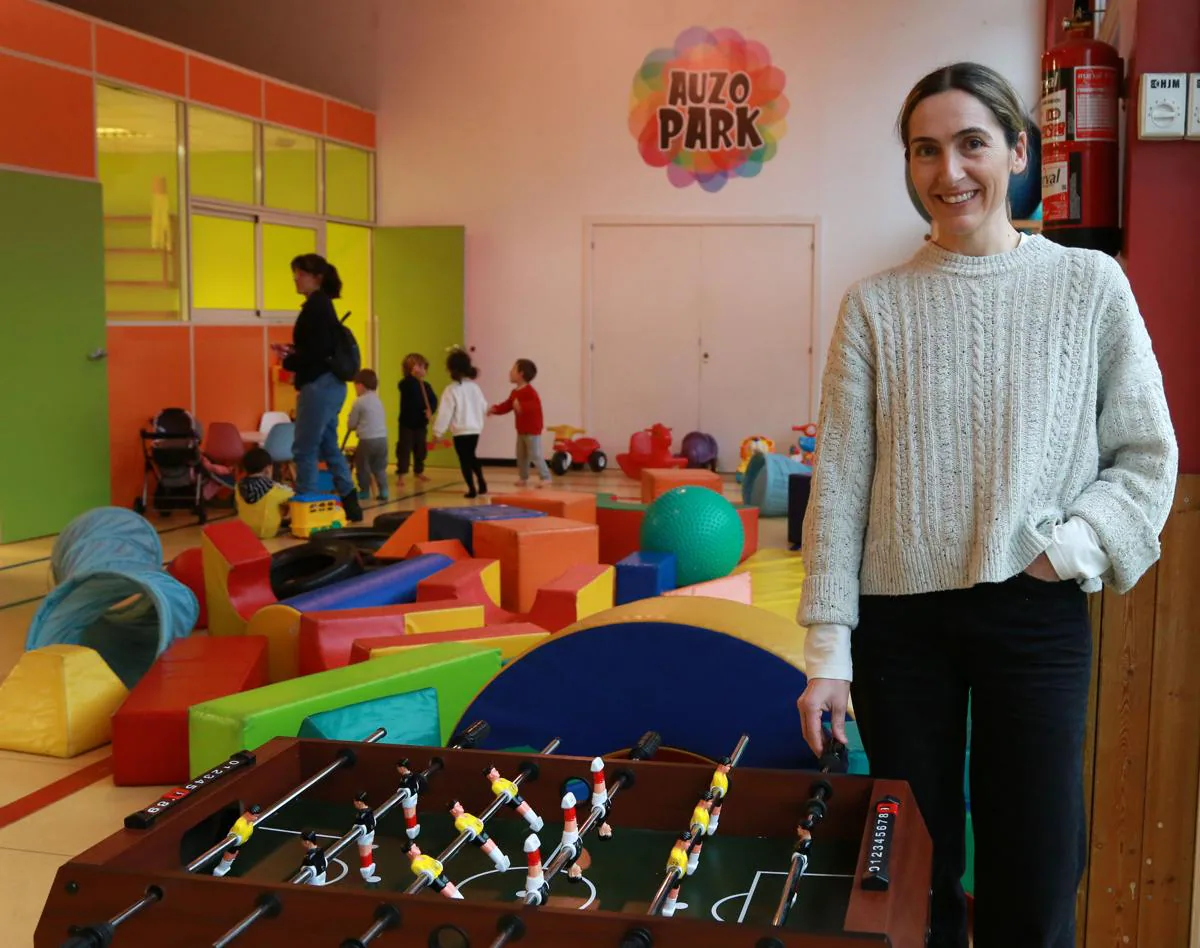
pixel 736 588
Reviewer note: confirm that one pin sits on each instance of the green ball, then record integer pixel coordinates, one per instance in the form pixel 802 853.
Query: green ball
pixel 700 527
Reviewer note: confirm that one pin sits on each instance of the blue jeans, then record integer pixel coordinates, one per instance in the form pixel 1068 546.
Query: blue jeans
pixel 317 407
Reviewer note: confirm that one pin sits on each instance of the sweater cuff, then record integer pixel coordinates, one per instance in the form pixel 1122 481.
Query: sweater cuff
pixel 829 598
pixel 827 652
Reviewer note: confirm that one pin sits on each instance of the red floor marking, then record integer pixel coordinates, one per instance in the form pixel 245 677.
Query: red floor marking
pixel 53 792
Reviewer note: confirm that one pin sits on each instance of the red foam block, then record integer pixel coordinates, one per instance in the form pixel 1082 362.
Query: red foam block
pixel 362 649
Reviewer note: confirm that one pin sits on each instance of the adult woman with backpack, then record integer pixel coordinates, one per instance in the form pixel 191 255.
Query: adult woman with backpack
pixel 323 355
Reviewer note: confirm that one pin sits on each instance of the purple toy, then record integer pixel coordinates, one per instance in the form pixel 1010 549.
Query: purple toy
pixel 700 449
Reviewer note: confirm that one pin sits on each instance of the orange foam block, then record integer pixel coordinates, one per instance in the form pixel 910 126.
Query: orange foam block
pixel 580 592
pixel 237 576
pixel 533 552
pixel 451 548
pixel 470 580
pixel 656 481
pixel 568 504
pixel 511 638
pixel 414 530
pixel 749 517
pixel 736 588
pixel 326 638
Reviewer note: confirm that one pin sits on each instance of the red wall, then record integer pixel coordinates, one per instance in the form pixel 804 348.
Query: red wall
pixel 1162 220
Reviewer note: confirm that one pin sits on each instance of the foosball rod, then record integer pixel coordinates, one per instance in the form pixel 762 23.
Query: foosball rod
pixel 98 936
pixel 344 757
pixel 644 750
pixel 463 838
pixel 673 874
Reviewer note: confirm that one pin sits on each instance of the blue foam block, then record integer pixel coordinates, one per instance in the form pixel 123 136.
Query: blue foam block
pixel 644 576
pixel 389 586
pixel 412 718
pixel 457 523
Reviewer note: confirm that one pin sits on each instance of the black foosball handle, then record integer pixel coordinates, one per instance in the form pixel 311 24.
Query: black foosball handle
pixel 94 936
pixel 647 746
pixel 836 758
pixel 470 736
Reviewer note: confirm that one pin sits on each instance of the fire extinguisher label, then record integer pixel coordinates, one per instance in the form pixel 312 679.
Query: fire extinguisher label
pixel 1062 190
pixel 1095 103
pixel 1054 117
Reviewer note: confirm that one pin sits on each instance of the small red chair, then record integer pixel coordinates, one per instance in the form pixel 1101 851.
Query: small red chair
pixel 224 444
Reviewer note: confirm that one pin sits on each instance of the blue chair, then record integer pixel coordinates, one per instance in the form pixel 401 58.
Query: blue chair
pixel 278 444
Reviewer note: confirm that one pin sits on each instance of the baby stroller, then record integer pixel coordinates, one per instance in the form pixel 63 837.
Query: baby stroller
pixel 172 451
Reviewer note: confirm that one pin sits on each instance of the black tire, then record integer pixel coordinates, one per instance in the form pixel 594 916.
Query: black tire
pixel 560 463
pixel 366 540
pixel 391 522
pixel 598 461
pixel 312 565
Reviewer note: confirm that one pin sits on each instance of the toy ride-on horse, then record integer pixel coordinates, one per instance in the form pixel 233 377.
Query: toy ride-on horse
pixel 650 447
pixel 572 452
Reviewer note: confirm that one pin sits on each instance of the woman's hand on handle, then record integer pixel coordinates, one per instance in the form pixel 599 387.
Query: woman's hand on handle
pixel 821 695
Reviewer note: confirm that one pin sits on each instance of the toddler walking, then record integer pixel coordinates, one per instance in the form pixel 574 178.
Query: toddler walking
pixel 417 405
pixel 462 413
pixel 369 421
pixel 526 405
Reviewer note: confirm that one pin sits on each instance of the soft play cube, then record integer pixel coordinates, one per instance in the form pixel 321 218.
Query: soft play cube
pixel 412 718
pixel 580 592
pixel 219 729
pixel 458 523
pixel 150 730
pixel 568 504
pixel 799 488
pixel 657 481
pixel 534 552
pixel 620 524
pixel 59 700
pixel 511 638
pixel 644 576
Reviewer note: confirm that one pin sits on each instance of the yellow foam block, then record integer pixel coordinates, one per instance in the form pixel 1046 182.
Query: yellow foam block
pixel 735 588
pixel 280 625
pixel 444 620
pixel 778 580
pixel 59 701
pixel 597 595
pixel 510 646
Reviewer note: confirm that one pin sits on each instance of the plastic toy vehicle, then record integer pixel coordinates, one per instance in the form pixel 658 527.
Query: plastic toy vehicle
pixel 650 447
pixel 314 513
pixel 572 452
pixel 805 447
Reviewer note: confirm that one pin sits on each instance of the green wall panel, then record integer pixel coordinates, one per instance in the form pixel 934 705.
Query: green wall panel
pixel 53 400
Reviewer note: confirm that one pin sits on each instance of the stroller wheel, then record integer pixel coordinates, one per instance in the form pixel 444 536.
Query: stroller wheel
pixel 139 505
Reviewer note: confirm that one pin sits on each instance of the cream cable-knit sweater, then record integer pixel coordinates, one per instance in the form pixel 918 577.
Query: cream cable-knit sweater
pixel 971 406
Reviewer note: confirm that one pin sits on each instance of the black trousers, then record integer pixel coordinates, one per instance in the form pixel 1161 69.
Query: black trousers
pixel 472 470
pixel 412 441
pixel 1021 650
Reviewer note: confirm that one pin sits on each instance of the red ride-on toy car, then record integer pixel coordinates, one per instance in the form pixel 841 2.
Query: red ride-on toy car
pixel 572 452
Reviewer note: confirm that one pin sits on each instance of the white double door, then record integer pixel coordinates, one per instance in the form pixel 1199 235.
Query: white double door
pixel 705 327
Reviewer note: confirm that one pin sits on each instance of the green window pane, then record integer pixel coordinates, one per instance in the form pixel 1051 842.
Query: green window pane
pixel 137 142
pixel 280 246
pixel 222 263
pixel 289 171
pixel 220 156
pixel 347 182
pixel 349 249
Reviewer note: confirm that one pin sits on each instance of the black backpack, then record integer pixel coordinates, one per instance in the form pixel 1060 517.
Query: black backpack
pixel 346 359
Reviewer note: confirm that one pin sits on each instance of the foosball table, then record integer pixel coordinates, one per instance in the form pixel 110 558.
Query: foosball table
pixel 320 844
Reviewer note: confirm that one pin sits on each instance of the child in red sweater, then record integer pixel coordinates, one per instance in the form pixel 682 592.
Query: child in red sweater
pixel 527 406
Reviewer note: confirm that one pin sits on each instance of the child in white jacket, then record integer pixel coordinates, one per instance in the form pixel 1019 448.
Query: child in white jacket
pixel 461 412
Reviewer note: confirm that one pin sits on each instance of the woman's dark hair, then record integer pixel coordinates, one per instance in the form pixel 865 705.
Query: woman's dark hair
pixel 458 364
pixel 982 82
pixel 256 460
pixel 314 263
pixel 527 369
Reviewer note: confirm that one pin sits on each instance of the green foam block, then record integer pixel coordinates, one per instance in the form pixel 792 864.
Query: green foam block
pixel 457 670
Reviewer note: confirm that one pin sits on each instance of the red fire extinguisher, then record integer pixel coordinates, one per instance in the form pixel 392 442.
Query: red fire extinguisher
pixel 1081 86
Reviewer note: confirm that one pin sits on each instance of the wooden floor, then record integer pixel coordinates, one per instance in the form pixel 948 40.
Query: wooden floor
pixel 36 838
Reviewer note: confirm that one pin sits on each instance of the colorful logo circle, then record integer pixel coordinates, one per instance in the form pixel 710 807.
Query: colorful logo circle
pixel 710 109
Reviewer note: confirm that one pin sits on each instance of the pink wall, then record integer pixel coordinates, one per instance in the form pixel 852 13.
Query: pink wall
pixel 525 168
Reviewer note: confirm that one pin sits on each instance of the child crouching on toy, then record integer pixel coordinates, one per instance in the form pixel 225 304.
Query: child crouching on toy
pixel 260 501
pixel 462 413
pixel 526 405
pixel 369 421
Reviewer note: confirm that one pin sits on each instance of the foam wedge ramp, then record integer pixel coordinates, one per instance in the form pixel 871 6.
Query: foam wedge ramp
pixel 59 701
pixel 455 671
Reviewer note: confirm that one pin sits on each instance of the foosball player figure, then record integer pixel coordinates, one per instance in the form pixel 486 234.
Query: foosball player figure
pixel 679 861
pixel 366 842
pixel 314 857
pixel 464 822
pixel 600 798
pixel 243 829
pixel 415 784
pixel 570 837
pixel 718 790
pixel 430 870
pixel 700 824
pixel 508 791
pixel 535 879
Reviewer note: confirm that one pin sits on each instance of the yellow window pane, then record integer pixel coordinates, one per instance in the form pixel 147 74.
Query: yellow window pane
pixel 280 246
pixel 289 171
pixel 220 156
pixel 347 182
pixel 349 249
pixel 137 141
pixel 222 263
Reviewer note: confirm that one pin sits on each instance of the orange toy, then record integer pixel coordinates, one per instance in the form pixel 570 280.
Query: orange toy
pixel 649 448
pixel 534 552
pixel 657 481
pixel 569 504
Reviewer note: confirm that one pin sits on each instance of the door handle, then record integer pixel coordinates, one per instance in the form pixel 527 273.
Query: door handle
pixel 97 355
